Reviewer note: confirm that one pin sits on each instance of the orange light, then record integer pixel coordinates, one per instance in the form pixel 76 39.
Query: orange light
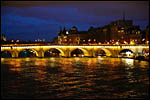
pixel 147 42
pixel 122 30
pixel 17 41
pixel 99 43
pixel 125 42
pixel 132 42
pixel 117 43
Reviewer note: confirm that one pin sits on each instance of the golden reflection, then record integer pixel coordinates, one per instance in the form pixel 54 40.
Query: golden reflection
pixel 91 62
pixel 67 65
pixel 52 58
pixel 2 60
pixel 70 82
pixel 40 62
pixel 114 62
pixel 143 64
pixel 15 62
pixel 77 58
pixel 15 65
pixel 129 62
pixel 27 59
pixel 15 69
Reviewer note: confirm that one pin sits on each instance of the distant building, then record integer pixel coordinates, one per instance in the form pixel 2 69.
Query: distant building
pixel 3 38
pixel 121 31
pixel 71 36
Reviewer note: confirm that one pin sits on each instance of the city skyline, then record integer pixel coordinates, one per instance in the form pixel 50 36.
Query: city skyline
pixel 28 20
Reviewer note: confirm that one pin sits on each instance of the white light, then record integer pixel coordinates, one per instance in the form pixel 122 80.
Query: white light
pixel 67 32
pixel 128 52
pixel 143 39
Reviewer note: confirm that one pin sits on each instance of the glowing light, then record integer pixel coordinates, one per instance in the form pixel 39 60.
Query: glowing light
pixel 17 41
pixel 82 55
pixel 74 55
pixel 129 62
pixel 147 42
pixel 67 32
pixel 125 42
pixel 99 43
pixel 128 53
pixel 122 30
pixel 65 39
pixel 89 40
pixel 143 39
pixel 132 42
pixel 117 43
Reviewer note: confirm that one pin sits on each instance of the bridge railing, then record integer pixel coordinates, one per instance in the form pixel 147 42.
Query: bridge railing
pixel 65 44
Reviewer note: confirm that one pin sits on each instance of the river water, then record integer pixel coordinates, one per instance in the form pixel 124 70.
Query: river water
pixel 78 78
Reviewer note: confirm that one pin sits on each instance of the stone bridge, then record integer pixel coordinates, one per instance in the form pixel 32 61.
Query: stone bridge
pixel 88 51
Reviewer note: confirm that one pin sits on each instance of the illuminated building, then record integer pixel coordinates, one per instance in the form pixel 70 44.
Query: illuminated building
pixel 3 38
pixel 120 31
pixel 71 36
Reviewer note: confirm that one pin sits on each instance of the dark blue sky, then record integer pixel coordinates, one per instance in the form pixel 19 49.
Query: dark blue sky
pixel 29 20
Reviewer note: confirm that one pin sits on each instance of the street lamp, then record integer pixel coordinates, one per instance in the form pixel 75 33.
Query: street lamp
pixel 117 43
pixel 132 42
pixel 147 42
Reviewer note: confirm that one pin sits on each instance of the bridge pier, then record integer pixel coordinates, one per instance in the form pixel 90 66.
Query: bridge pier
pixel 15 54
pixel 41 53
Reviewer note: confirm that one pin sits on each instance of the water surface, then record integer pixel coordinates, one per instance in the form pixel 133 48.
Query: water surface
pixel 78 78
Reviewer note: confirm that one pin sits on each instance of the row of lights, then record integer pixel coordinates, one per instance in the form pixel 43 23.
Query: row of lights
pixel 112 41
pixel 40 40
pixel 15 41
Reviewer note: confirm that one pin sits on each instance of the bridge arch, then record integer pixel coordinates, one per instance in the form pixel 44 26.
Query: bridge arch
pixel 6 54
pixel 53 52
pixel 103 51
pixel 28 53
pixel 79 52
pixel 126 53
pixel 59 49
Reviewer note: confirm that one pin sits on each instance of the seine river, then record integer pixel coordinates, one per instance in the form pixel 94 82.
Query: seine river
pixel 74 78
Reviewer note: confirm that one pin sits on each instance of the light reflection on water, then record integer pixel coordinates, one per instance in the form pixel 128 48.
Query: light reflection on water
pixel 81 78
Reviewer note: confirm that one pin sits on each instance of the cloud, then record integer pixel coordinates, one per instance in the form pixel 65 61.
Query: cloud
pixel 66 3
pixel 43 19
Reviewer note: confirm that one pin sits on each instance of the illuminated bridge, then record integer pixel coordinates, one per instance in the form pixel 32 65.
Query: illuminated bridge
pixel 72 50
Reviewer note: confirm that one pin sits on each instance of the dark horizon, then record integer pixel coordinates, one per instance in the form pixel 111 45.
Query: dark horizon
pixel 29 20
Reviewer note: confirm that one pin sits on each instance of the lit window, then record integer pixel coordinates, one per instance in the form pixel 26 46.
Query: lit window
pixel 122 30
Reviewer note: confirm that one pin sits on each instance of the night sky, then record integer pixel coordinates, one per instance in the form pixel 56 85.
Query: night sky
pixel 29 20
